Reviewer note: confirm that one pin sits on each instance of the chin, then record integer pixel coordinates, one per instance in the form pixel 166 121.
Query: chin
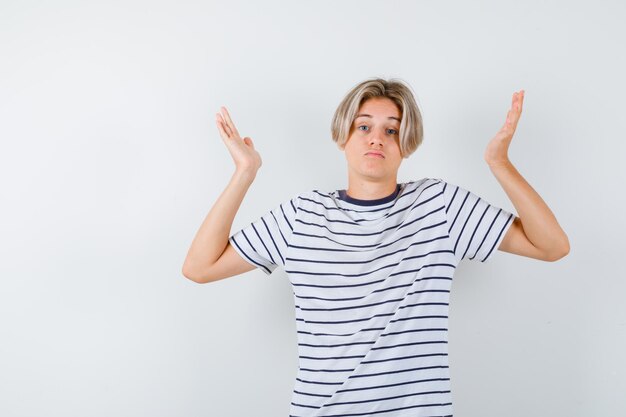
pixel 373 173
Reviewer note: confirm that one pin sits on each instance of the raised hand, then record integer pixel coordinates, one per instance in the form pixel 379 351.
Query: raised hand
pixel 498 148
pixel 244 155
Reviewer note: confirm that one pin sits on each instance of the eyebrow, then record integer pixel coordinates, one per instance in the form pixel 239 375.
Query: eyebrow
pixel 369 115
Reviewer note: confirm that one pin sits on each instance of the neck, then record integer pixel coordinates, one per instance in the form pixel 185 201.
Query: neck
pixel 371 190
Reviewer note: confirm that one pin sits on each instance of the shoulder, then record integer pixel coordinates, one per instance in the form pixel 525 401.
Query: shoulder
pixel 307 199
pixel 425 183
pixel 442 185
pixel 424 180
pixel 317 195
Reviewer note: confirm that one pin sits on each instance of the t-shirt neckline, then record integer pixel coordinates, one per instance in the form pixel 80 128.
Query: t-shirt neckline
pixel 345 197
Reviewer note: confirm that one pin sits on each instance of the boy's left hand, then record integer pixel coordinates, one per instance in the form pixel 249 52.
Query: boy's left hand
pixel 498 148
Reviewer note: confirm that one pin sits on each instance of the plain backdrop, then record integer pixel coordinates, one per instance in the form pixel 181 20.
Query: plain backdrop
pixel 110 160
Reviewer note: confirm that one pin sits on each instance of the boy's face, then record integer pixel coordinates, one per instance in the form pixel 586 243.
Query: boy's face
pixel 379 131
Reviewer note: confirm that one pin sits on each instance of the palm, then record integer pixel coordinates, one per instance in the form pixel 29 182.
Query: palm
pixel 498 148
pixel 242 150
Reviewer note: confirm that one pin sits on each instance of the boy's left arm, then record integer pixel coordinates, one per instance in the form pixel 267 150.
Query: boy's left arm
pixel 535 232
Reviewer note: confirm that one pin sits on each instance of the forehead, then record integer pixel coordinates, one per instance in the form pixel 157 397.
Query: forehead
pixel 379 108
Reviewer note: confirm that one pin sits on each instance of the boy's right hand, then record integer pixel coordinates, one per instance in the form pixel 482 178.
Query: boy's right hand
pixel 246 158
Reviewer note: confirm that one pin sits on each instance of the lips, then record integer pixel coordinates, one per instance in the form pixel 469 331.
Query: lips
pixel 375 154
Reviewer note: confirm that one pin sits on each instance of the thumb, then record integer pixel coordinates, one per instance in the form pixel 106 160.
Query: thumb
pixel 248 141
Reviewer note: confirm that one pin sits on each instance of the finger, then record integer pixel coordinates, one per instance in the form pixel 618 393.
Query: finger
pixel 515 115
pixel 230 121
pixel 517 103
pixel 220 127
pixel 224 125
pixel 227 126
pixel 511 120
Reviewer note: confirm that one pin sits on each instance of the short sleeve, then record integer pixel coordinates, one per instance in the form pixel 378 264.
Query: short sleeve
pixel 264 242
pixel 476 227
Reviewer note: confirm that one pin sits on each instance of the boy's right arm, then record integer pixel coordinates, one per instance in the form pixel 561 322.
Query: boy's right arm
pixel 211 256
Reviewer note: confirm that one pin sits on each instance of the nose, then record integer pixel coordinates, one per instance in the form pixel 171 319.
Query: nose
pixel 376 138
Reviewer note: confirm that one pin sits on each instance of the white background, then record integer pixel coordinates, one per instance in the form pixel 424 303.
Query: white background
pixel 110 159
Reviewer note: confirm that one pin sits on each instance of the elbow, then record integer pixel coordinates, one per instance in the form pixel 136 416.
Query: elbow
pixel 562 252
pixel 193 275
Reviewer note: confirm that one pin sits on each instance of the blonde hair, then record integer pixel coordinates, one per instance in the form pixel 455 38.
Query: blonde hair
pixel 411 129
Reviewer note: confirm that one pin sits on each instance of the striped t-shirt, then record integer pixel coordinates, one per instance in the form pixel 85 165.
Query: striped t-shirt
pixel 371 281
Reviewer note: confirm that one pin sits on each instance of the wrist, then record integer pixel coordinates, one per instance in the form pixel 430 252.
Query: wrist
pixel 247 175
pixel 501 163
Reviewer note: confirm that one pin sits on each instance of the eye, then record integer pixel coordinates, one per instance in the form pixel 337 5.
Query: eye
pixel 389 131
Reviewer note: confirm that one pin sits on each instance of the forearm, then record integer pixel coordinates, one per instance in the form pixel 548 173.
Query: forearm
pixel 539 223
pixel 212 237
